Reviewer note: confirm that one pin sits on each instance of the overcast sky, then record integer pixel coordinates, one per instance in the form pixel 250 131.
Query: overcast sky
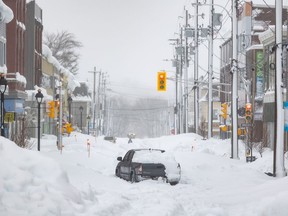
pixel 128 39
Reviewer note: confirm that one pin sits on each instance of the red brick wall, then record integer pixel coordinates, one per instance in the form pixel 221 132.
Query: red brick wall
pixel 15 37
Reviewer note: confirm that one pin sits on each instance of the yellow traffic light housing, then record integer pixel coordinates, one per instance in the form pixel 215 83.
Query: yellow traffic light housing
pixel 224 128
pixel 57 107
pixel 248 112
pixel 51 108
pixel 69 128
pixel 161 81
pixel 224 110
pixel 241 131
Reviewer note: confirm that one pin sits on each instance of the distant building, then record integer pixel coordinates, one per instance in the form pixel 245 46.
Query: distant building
pixel 81 97
pixel 203 107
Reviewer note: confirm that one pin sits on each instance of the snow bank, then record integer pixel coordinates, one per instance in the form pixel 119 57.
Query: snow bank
pixel 31 184
pixel 72 82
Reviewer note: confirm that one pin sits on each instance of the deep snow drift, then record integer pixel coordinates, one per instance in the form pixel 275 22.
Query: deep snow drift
pixel 76 183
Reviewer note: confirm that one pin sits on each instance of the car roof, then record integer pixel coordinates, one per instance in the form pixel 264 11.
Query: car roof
pixel 149 149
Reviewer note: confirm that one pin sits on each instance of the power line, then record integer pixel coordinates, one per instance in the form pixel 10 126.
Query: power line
pixel 146 109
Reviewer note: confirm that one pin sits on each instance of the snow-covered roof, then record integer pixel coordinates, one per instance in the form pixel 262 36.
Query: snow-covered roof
pixel 72 82
pixel 6 14
pixel 21 78
pixel 31 94
pixel 81 98
pixel 3 69
pixel 255 46
pixel 269 96
pixel 268 36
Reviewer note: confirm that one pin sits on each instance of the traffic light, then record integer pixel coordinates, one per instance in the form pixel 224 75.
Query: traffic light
pixel 248 112
pixel 51 108
pixel 57 106
pixel 224 107
pixel 241 131
pixel 223 128
pixel 161 81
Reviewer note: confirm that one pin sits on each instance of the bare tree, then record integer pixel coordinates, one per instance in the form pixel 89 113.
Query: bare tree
pixel 64 47
pixel 260 146
pixel 21 137
pixel 203 127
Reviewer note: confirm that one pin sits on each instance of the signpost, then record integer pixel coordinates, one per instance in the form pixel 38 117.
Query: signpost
pixel 246 125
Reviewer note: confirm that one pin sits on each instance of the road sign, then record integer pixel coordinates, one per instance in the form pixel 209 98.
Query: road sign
pixel 9 117
pixel 246 125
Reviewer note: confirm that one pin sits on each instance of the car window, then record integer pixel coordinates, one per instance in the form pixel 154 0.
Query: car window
pixel 126 157
pixel 130 156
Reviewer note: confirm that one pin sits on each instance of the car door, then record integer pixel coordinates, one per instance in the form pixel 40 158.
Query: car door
pixel 125 167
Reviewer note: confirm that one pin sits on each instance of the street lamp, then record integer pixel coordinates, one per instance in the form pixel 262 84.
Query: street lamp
pixel 81 111
pixel 3 86
pixel 39 98
pixel 69 107
pixel 88 119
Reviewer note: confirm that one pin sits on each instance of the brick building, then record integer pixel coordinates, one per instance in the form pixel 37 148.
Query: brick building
pixel 15 33
pixel 33 45
pixel 252 20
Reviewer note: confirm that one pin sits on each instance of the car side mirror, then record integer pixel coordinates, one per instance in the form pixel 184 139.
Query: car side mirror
pixel 119 158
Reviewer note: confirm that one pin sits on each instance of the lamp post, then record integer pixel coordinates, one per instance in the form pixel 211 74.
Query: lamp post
pixel 39 98
pixel 69 108
pixel 3 86
pixel 88 119
pixel 81 111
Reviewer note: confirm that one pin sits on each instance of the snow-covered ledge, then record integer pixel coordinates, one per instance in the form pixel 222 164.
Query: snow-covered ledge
pixel 6 14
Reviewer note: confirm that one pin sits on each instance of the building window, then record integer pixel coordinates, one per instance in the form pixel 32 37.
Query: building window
pixel 2 54
pixel 215 114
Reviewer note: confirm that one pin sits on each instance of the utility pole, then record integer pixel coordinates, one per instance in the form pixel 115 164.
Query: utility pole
pixel 210 71
pixel 103 101
pixel 175 63
pixel 186 76
pixel 196 74
pixel 178 69
pixel 278 168
pixel 181 82
pixel 94 96
pixel 234 71
pixel 99 107
pixel 60 116
pixel 176 99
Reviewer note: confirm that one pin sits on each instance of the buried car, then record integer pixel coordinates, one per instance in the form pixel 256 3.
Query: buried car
pixel 141 164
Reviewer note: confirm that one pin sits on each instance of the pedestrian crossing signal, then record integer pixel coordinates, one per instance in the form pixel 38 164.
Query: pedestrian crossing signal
pixel 161 81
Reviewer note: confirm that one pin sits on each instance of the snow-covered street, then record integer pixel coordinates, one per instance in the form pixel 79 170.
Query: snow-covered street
pixel 71 183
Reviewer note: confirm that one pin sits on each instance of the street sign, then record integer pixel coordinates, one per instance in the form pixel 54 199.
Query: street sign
pixel 9 117
pixel 246 125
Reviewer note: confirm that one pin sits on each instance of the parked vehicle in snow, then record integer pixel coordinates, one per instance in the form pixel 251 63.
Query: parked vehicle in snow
pixel 141 164
pixel 110 139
